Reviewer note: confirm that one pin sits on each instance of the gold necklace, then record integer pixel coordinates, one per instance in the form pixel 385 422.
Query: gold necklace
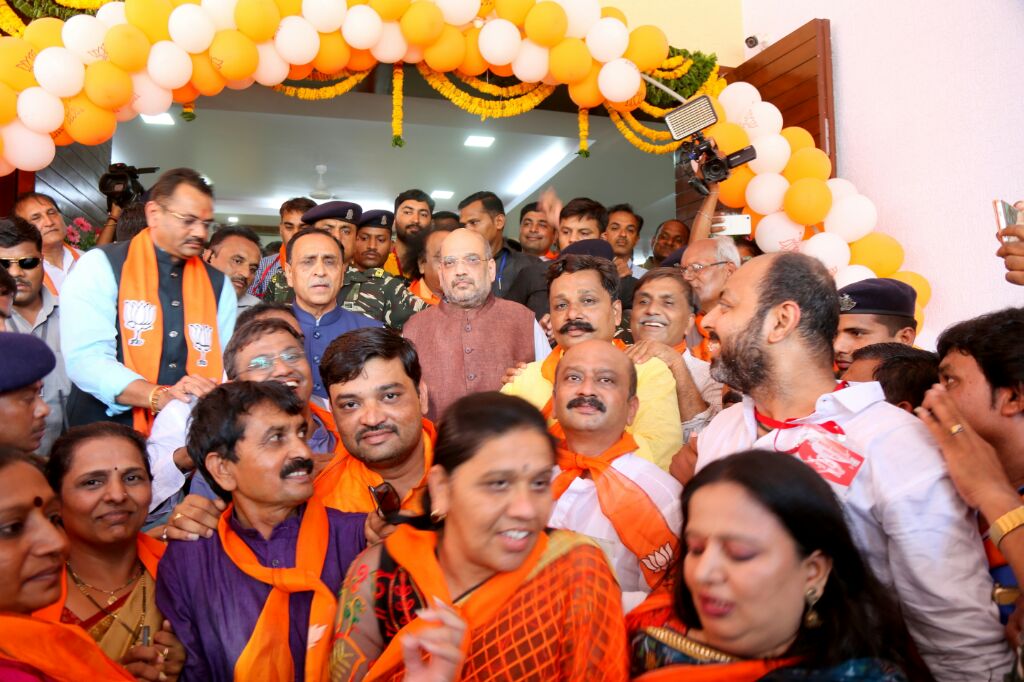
pixel 111 595
pixel 690 647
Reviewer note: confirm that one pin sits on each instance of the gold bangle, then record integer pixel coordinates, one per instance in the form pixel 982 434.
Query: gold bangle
pixel 1010 521
pixel 154 396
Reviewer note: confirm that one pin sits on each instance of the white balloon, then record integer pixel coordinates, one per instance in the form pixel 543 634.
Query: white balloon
pixel 772 154
pixel 607 39
pixel 191 28
pixel 618 80
pixel 112 14
pixel 83 34
pixel 392 46
pixel 848 274
pixel 222 12
pixel 125 113
pixel 59 71
pixel 829 248
pixel 582 14
pixel 736 99
pixel 147 97
pixel 777 232
pixel 297 41
pixel 761 119
pixel 499 42
pixel 531 64
pixel 765 193
pixel 840 188
pixel 25 149
pixel 169 65
pixel 413 55
pixel 458 12
pixel 40 111
pixel 271 69
pixel 326 16
pixel 362 27
pixel 852 218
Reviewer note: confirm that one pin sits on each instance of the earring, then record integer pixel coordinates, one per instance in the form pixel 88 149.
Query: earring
pixel 811 618
pixel 437 516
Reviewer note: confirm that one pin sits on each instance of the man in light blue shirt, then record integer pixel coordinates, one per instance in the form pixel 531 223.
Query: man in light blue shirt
pixel 179 215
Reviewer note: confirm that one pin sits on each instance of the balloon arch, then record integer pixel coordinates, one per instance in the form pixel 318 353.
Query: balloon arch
pixel 82 66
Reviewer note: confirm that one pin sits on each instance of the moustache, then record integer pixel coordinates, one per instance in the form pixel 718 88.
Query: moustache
pixel 292 466
pixel 581 325
pixel 362 433
pixel 22 282
pixel 587 401
pixel 461 279
pixel 240 281
pixel 194 241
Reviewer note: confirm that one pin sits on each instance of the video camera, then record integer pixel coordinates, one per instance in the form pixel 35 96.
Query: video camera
pixel 715 167
pixel 120 184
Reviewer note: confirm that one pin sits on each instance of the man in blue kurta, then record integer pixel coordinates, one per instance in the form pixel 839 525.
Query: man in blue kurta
pixel 249 440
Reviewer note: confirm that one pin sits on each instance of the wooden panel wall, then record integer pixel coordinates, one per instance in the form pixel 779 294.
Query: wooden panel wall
pixel 794 74
pixel 73 180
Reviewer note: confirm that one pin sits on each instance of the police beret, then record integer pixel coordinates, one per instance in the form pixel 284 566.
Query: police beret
pixel 24 359
pixel 674 259
pixel 590 247
pixel 878 297
pixel 377 218
pixel 339 210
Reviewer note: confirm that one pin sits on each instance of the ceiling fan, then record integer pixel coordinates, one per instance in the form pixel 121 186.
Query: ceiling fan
pixel 321 191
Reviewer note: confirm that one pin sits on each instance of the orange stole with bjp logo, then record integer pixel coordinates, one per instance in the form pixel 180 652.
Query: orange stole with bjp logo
pixel 140 317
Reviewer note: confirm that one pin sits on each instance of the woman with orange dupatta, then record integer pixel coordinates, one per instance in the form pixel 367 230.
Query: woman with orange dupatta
pixel 32 552
pixel 769 587
pixel 537 604
pixel 102 476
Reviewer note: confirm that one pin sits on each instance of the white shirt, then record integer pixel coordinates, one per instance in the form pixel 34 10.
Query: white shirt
pixel 170 429
pixel 578 510
pixel 915 532
pixel 709 389
pixel 541 345
pixel 247 301
pixel 56 274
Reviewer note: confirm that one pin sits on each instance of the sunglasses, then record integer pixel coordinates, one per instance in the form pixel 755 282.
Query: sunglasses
pixel 23 263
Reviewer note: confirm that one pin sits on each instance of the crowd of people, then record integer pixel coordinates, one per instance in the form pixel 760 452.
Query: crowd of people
pixel 424 445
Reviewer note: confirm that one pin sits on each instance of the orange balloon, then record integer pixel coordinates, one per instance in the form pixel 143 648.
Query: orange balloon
pixel 920 284
pixel 729 136
pixel 107 86
pixel 807 201
pixel 151 16
pixel 810 231
pixel 448 52
pixel 633 102
pixel 546 23
pixel 87 123
pixel 719 111
pixel 289 8
pixel 233 55
pixel 17 57
pixel 514 10
pixel 185 94
pixel 880 252
pixel 61 138
pixel 648 47
pixel 390 10
pixel 361 60
pixel 422 24
pixel 808 163
pixel 300 72
pixel 178 3
pixel 127 47
pixel 798 138
pixel 732 190
pixel 586 94
pixel 333 55
pixel 614 13
pixel 473 64
pixel 257 19
pixel 44 32
pixel 8 104
pixel 505 70
pixel 570 61
pixel 206 79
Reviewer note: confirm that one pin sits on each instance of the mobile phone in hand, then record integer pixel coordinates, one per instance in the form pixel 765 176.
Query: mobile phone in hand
pixel 735 224
pixel 1006 215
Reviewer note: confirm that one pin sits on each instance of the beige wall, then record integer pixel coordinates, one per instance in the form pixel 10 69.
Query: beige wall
pixel 705 25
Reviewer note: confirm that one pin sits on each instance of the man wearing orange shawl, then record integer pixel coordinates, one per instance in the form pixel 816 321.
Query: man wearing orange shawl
pixel 256 600
pixel 603 486
pixel 144 322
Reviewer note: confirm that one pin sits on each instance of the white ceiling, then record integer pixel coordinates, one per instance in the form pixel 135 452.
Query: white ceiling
pixel 260 147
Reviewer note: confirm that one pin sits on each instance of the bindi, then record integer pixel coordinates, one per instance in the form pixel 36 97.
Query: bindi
pixel 37 502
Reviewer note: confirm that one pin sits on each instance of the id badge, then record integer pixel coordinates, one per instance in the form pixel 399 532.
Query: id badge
pixel 833 461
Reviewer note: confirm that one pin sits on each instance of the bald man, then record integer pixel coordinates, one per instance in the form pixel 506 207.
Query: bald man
pixel 466 343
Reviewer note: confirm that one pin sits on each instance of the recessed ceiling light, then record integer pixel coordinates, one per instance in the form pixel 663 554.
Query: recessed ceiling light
pixel 163 119
pixel 232 219
pixel 479 141
pixel 442 194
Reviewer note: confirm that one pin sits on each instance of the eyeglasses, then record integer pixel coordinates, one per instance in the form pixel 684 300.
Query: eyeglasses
pixel 23 263
pixel 695 268
pixel 191 221
pixel 263 363
pixel 471 261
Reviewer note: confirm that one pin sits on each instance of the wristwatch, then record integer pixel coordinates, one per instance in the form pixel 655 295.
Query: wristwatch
pixel 1009 521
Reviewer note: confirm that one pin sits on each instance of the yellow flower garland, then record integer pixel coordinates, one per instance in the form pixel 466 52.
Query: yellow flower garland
pixel 649 133
pixel 671 73
pixel 89 5
pixel 397 79
pixel 636 141
pixel 483 108
pixel 10 23
pixel 584 125
pixel 327 92
pixel 515 90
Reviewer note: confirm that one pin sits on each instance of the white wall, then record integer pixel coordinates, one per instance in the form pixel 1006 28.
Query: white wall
pixel 928 100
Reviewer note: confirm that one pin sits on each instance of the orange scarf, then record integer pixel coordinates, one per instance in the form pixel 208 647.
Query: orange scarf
pixel 266 656
pixel 550 364
pixel 344 483
pixel 150 551
pixel 636 519
pixel 551 255
pixel 416 551
pixel 420 288
pixel 138 305
pixel 740 671
pixel 47 282
pixel 64 652
pixel 702 351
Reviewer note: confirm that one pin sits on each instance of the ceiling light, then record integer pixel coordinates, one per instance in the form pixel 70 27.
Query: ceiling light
pixel 479 141
pixel 442 194
pixel 232 219
pixel 163 119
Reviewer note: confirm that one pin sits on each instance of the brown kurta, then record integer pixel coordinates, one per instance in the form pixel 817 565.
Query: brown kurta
pixel 466 351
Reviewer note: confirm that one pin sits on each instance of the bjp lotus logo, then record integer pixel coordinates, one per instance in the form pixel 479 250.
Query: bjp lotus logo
pixel 659 559
pixel 139 317
pixel 201 336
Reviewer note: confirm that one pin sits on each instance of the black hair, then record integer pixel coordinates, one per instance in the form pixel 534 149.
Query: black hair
pixel 15 230
pixel 272 248
pixel 63 451
pixel 252 331
pixel 7 284
pixel 37 196
pixel 906 378
pixel 346 356
pixel 491 203
pixel 290 247
pixel 570 263
pixel 994 341
pixel 414 195
pixel 894 323
pixel 259 310
pixel 674 274
pixel 234 231
pixel 218 420
pixel 417 245
pixel 169 181
pixel 9 456
pixel 296 205
pixel 130 222
pixel 884 351
pixel 443 216
pixel 804 280
pixel 531 207
pixel 859 617
pixel 628 208
pixel 584 207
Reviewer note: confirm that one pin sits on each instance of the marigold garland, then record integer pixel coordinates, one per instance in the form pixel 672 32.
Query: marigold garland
pixel 584 125
pixel 87 5
pixel 397 79
pixel 636 141
pixel 10 22
pixel 514 90
pixel 501 108
pixel 649 133
pixel 188 111
pixel 316 94
pixel 672 73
